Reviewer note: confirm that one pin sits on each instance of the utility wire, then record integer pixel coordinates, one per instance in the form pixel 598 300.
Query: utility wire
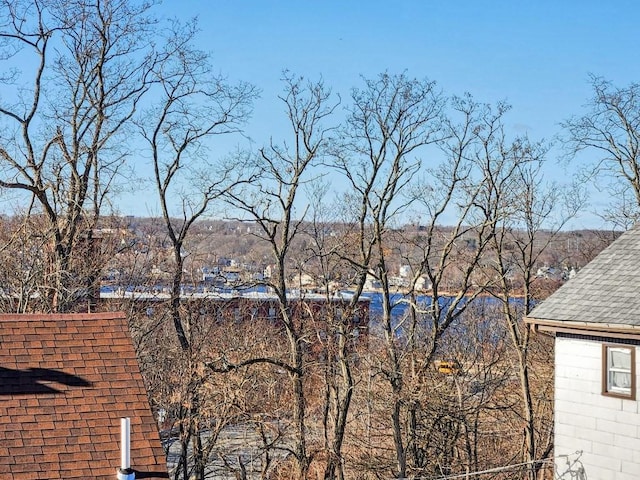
pixel 483 472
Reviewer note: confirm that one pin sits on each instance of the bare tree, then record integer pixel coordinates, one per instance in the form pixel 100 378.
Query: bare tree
pixel 337 326
pixel 278 212
pixel 193 106
pixel 22 250
pixel 89 66
pixel 444 261
pixel 390 120
pixel 526 215
pixel 610 131
pixel 454 427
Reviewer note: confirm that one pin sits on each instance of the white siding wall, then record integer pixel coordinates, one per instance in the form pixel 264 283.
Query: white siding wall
pixel 605 429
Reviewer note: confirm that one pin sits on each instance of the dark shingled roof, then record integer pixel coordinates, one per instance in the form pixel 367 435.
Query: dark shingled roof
pixel 65 382
pixel 605 292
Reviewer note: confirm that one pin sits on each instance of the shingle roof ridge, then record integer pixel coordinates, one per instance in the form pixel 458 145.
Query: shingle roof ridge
pixel 605 291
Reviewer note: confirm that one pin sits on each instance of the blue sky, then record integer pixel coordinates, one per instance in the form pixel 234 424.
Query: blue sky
pixel 536 55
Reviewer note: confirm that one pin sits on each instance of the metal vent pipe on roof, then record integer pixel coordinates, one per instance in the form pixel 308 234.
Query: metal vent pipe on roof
pixel 125 472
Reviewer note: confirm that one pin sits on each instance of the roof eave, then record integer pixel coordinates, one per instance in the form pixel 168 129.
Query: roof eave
pixel 609 330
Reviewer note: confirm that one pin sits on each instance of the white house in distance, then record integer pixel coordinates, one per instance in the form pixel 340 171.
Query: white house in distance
pixel 595 318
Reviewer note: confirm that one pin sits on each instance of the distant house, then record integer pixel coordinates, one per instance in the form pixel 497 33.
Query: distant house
pixel 371 282
pixel 225 262
pixel 231 274
pixel 65 383
pixel 595 318
pixel 268 271
pixel 551 273
pixel 303 280
pixel 212 276
pixel 423 283
pixel 405 271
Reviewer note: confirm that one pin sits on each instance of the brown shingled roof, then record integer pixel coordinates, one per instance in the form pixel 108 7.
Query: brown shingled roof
pixel 65 382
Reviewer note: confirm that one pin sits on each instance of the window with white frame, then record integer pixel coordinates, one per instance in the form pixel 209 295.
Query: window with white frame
pixel 618 376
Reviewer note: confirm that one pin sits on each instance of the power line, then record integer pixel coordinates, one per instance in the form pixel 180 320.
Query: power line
pixel 484 472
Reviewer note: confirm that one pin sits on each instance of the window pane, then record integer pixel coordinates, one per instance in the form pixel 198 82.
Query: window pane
pixel 620 370
pixel 620 359
pixel 620 380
